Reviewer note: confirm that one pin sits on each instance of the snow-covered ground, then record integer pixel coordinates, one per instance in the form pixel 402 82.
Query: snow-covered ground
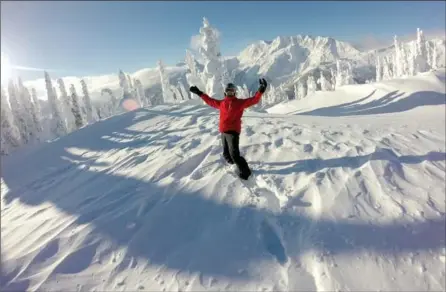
pixel 348 195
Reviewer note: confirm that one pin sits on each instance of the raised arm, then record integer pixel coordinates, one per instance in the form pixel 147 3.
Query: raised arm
pixel 210 101
pixel 207 99
pixel 256 98
pixel 252 100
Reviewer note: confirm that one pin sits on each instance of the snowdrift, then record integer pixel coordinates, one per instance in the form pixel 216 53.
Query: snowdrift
pixel 392 96
pixel 144 201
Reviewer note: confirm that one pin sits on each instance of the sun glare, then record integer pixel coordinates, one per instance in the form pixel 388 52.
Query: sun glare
pixel 6 68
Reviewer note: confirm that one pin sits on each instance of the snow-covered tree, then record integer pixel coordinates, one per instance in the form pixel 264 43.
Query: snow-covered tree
pixel 129 82
pixel 332 79
pixel 65 102
pixel 421 59
pixel 398 63
pixel 296 91
pixel 339 74
pixel 403 61
pixel 210 51
pixel 27 108
pixel 10 135
pixel 140 95
pixel 311 84
pixel 123 82
pixel 302 88
pixel 113 102
pixel 386 69
pixel 324 82
pixel 57 124
pixel 176 93
pixel 75 108
pixel 18 112
pixel 183 90
pixel 348 79
pixel 36 114
pixel 378 69
pixel 90 113
pixel 35 124
pixel 434 57
pixel 412 57
pixel 165 85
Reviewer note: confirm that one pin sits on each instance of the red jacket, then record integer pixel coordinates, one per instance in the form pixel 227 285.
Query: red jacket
pixel 231 110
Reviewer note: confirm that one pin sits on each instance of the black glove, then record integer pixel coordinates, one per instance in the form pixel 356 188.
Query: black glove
pixel 263 85
pixel 195 90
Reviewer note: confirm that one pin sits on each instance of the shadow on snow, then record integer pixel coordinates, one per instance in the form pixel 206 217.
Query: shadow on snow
pixel 182 229
pixel 384 105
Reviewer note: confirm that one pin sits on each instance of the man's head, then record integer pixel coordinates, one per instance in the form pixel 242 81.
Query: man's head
pixel 230 90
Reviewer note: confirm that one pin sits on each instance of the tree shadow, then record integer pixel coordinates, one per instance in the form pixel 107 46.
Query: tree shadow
pixel 183 229
pixel 384 105
pixel 317 164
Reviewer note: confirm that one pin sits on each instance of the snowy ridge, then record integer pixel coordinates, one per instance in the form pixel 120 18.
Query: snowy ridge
pixel 143 201
pixel 291 55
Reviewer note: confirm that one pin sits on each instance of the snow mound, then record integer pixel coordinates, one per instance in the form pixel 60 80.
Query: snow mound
pixel 144 201
pixel 404 95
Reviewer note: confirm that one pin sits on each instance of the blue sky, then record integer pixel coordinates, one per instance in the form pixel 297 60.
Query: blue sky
pixel 92 38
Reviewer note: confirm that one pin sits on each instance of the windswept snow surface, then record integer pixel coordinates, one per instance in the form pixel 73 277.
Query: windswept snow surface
pixel 349 196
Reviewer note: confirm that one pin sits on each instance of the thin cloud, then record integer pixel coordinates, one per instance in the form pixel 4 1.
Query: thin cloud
pixel 25 68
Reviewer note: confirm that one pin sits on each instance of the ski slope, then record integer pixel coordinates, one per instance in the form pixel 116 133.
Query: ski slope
pixel 348 195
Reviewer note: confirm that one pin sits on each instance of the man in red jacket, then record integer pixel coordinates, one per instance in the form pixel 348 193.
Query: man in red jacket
pixel 230 126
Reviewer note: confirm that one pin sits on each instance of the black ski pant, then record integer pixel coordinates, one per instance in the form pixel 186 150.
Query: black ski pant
pixel 231 153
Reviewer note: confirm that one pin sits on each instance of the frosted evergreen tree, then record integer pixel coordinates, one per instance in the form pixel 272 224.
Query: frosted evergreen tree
pixel 36 113
pixel 434 57
pixel 129 82
pixel 140 93
pixel 113 102
pixel 311 84
pixel 87 102
pixel 332 79
pixel 325 84
pixel 10 135
pixel 125 84
pixel 349 74
pixel 193 77
pixel 79 121
pixel 268 96
pixel 27 109
pixel 35 122
pixel 429 54
pixel 302 89
pixel 210 51
pixel 378 69
pixel 403 61
pixel 184 91
pixel 18 112
pixel 398 58
pixel 176 93
pixel 385 69
pixel 243 91
pixel 57 124
pixel 65 102
pixel 339 74
pixel 297 93
pixel 165 85
pixel 412 57
pixel 123 81
pixel 421 59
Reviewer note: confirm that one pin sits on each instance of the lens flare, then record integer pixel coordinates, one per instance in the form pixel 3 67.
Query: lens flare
pixel 129 104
